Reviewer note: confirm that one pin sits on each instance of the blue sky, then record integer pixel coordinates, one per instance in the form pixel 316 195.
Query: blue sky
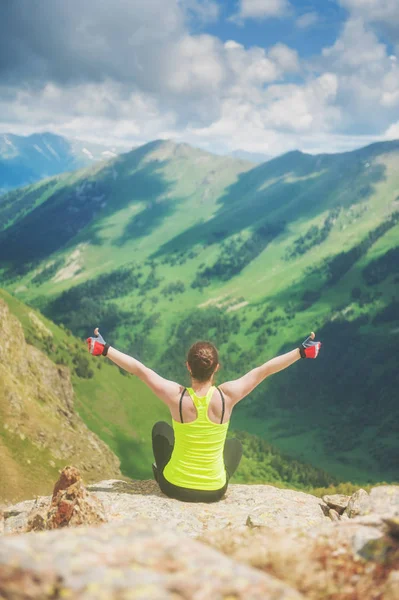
pixel 262 76
pixel 325 18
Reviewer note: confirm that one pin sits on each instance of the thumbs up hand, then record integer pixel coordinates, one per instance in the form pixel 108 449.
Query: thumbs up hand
pixel 310 348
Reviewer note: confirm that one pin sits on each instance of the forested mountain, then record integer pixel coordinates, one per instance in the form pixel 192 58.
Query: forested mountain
pixel 27 159
pixel 168 244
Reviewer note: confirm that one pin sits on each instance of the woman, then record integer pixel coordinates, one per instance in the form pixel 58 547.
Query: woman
pixel 193 460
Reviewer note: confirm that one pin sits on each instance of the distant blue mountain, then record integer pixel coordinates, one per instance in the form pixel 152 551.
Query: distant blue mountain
pixel 24 160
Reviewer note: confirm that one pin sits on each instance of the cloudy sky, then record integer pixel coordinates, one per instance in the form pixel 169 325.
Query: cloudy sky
pixel 263 76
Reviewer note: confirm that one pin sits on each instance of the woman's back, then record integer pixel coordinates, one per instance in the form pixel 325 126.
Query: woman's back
pixel 197 458
pixel 190 413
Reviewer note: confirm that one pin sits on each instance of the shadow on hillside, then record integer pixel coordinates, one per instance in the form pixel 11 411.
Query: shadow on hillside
pixel 346 397
pixel 291 187
pixel 147 220
pixel 70 215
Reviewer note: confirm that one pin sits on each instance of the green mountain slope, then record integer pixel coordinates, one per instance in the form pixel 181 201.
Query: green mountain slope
pixel 40 430
pixel 168 244
pixel 118 408
pixel 53 395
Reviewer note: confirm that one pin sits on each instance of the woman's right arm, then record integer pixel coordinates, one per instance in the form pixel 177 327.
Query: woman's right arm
pixel 237 389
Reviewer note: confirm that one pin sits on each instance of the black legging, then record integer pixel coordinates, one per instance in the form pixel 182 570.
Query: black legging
pixel 163 441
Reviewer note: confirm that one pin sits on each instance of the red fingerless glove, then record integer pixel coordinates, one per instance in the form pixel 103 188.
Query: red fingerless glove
pixel 309 348
pixel 97 345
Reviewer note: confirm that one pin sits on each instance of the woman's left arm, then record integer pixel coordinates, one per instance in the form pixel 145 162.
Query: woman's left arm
pixel 165 389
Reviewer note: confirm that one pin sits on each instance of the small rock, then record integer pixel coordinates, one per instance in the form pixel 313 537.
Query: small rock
pixel 359 504
pixel 37 518
pixel 251 522
pixel 337 501
pixel 71 505
pixel 334 516
pixel 16 516
pixel 75 506
pixel 68 476
pixel 37 521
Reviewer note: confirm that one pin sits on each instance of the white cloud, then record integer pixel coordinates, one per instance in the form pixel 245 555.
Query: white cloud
pixel 92 112
pixel 289 116
pixel 307 20
pixel 124 75
pixel 262 9
pixel 392 133
pixel 285 57
pixel 368 78
pixel 303 108
pixel 374 10
pixel 197 65
pixel 357 46
pixel 207 11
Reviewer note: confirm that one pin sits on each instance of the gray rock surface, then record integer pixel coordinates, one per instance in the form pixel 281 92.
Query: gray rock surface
pixel 359 504
pixel 334 516
pixel 337 502
pixel 257 542
pixel 126 501
pixel 141 560
pixel 384 500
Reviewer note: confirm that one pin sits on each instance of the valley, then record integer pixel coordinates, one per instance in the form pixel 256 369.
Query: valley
pixel 168 244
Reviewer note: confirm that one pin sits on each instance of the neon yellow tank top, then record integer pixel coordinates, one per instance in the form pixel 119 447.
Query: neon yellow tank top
pixel 197 458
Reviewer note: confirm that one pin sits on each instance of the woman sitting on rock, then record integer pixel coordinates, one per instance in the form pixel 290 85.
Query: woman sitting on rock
pixel 193 460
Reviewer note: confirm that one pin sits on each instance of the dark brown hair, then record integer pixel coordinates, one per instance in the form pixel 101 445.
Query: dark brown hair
pixel 202 359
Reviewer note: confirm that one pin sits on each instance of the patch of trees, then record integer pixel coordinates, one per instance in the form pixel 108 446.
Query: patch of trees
pixel 262 319
pixel 105 287
pixel 309 297
pixel 332 269
pixel 180 257
pixel 388 314
pixel 236 254
pixel 314 236
pixel 51 224
pixel 88 312
pixel 173 289
pixel 263 463
pixel 151 283
pixel 88 302
pixel 212 324
pixel 17 204
pixel 363 297
pixel 382 267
